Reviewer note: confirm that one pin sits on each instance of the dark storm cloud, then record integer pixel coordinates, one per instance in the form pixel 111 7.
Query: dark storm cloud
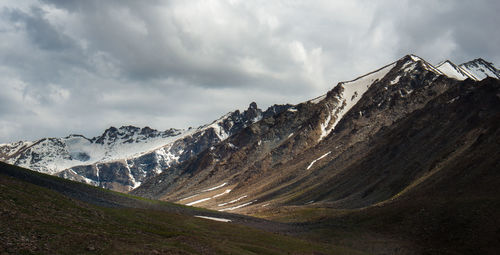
pixel 80 66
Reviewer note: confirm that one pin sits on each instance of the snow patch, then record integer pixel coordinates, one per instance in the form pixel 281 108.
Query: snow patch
pixel 314 161
pixel 186 198
pixel 396 80
pixel 233 201
pixel 351 94
pixel 257 118
pixel 453 100
pixel 324 127
pixel 213 218
pixel 198 201
pixel 216 187
pixel 223 193
pixel 235 207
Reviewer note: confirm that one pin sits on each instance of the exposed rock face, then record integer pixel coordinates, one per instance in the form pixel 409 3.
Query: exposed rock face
pixel 305 154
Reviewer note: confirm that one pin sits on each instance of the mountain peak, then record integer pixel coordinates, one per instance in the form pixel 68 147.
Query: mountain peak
pixel 479 60
pixel 415 57
pixel 481 69
pixel 451 70
pixel 410 58
pixel 252 105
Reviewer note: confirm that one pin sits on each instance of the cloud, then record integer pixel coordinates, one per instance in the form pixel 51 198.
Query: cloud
pixel 80 66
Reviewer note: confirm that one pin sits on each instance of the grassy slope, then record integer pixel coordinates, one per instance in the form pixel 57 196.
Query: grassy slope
pixel 35 219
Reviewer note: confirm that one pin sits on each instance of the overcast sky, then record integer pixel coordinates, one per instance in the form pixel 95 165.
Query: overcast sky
pixel 82 66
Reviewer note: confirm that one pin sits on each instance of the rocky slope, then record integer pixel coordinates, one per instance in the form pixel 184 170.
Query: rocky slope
pixel 305 154
pixel 431 179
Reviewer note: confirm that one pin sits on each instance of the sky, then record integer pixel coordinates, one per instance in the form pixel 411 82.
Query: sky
pixel 79 67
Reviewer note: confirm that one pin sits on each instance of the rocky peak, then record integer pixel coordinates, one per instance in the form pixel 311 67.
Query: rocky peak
pixel 477 62
pixel 127 134
pixel 253 113
pixel 481 69
pixel 276 109
pixel 252 105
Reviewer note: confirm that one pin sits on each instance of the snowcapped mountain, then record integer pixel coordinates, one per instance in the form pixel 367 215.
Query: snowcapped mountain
pixel 409 151
pixel 481 69
pixel 477 69
pixel 122 157
pixel 276 160
pixel 51 155
pixel 453 71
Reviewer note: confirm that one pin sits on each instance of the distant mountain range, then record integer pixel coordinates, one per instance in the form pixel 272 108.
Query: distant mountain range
pixel 121 158
pixel 239 146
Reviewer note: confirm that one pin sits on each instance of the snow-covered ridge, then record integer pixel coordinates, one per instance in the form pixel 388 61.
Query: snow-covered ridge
pixel 51 155
pixel 480 69
pixel 453 71
pixel 352 91
pixel 477 69
pixel 426 64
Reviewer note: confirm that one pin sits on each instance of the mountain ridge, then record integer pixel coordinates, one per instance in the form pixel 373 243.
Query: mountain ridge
pixel 402 160
pixel 407 87
pixel 116 164
pixel 78 158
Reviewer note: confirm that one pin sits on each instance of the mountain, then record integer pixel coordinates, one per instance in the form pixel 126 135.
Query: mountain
pixel 51 155
pixel 480 69
pixel 401 160
pixel 453 71
pixel 121 158
pixel 281 159
pixel 429 184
